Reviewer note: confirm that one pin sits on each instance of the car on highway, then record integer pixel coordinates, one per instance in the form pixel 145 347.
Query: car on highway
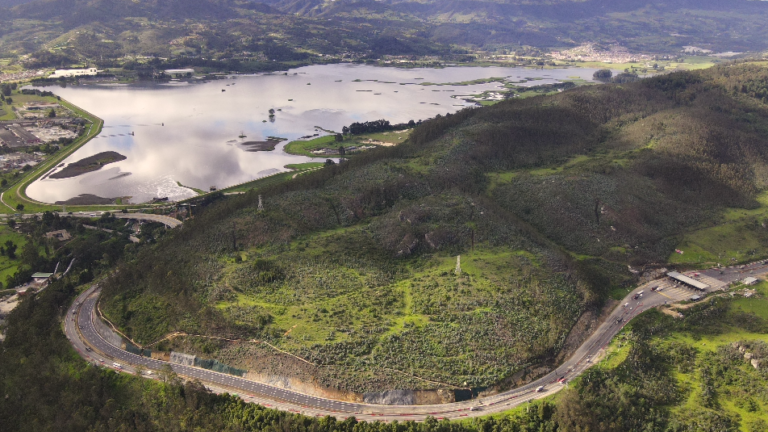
pixel 475 408
pixel 88 349
pixel 117 365
pixel 637 296
pixel 539 389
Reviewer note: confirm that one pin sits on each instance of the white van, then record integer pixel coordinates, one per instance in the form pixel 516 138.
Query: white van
pixel 117 365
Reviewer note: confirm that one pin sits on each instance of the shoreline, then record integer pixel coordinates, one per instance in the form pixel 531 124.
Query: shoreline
pixel 17 193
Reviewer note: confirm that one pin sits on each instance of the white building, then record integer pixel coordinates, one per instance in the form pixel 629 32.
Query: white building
pixel 179 71
pixel 67 73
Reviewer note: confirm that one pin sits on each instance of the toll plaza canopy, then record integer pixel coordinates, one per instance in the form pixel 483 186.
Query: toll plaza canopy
pixel 693 283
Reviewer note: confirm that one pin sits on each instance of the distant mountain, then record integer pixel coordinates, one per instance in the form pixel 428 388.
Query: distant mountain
pixel 89 29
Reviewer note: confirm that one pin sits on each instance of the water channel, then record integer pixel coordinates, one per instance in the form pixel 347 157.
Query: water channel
pixel 188 133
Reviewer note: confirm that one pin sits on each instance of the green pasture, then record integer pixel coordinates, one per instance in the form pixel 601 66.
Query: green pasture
pixel 738 237
pixel 9 266
pixel 305 147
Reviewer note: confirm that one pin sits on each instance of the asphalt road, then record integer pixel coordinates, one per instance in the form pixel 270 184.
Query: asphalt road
pixel 148 217
pixel 80 330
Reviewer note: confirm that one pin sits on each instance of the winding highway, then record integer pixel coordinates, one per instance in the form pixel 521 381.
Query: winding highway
pixel 81 331
pixel 146 217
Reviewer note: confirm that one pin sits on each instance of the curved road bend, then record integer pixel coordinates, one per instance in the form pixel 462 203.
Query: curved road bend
pixel 147 217
pixel 82 334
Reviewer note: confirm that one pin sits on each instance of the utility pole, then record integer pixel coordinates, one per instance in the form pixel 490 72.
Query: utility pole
pixel 234 237
pixel 261 205
pixel 458 265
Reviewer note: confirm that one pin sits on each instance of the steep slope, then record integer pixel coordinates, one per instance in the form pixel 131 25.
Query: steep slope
pixel 547 200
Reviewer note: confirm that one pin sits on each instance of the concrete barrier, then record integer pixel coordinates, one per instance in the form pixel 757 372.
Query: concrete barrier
pixel 182 359
pixel 106 332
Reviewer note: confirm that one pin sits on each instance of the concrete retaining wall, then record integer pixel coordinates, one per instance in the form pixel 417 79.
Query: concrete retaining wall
pixel 106 332
pixel 182 359
pixel 391 397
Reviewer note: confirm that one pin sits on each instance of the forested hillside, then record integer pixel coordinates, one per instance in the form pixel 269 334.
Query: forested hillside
pixel 251 33
pixel 705 372
pixel 548 200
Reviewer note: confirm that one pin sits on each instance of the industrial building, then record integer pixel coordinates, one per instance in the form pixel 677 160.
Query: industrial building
pixel 14 135
pixel 687 281
pixel 8 139
pixel 24 135
pixel 750 281
pixel 68 73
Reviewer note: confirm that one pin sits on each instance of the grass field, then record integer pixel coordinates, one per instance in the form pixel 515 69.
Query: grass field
pixel 689 63
pixel 739 237
pixel 9 266
pixel 305 147
pixel 394 137
pixel 277 178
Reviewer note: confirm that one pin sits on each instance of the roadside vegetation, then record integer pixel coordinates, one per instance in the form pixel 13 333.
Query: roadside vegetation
pixel 661 373
pixel 11 245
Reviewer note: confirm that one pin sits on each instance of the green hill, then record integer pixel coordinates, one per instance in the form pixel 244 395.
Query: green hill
pixel 548 200
pixel 248 35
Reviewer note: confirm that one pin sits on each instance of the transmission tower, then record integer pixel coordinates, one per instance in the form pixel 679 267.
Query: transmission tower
pixel 261 205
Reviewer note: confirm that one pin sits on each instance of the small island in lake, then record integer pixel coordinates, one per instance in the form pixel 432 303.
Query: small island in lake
pixel 89 164
pixel 255 146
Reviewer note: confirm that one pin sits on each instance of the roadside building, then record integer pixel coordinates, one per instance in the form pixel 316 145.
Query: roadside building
pixel 750 281
pixel 687 281
pixel 40 279
pixel 60 235
pixel 179 71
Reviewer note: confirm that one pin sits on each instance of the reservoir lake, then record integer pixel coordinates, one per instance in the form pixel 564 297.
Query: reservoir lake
pixel 188 133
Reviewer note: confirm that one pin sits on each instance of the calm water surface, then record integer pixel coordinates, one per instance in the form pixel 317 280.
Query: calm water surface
pixel 188 134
